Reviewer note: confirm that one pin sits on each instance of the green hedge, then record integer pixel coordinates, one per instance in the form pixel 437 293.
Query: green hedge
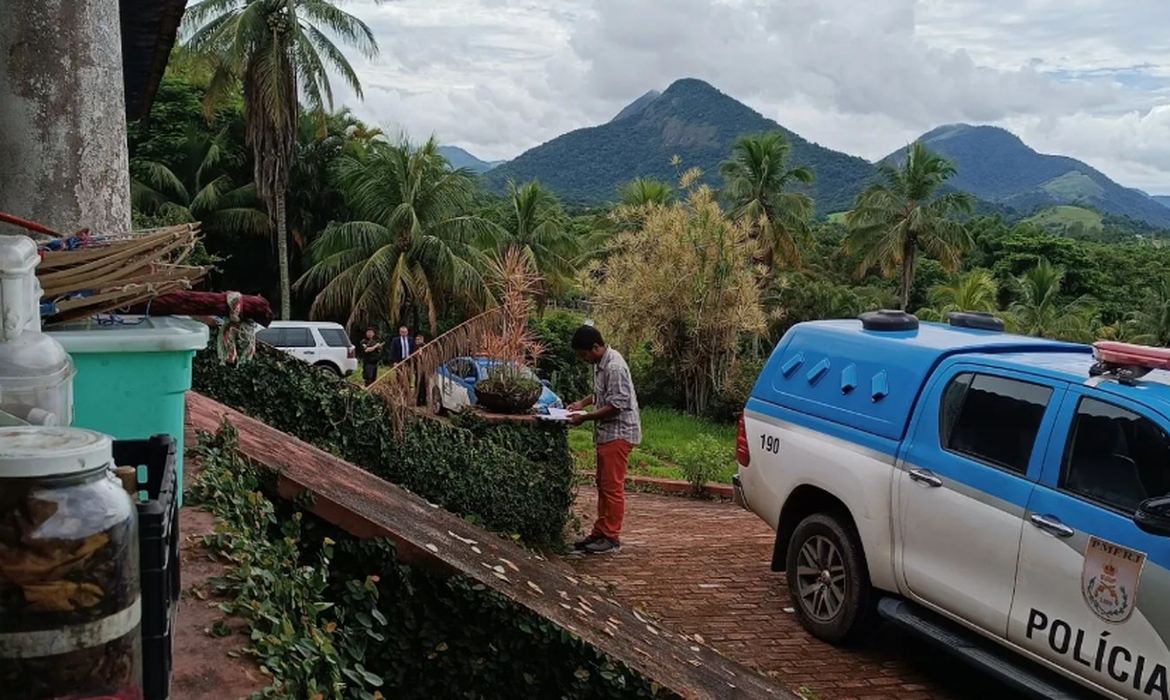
pixel 516 479
pixel 352 623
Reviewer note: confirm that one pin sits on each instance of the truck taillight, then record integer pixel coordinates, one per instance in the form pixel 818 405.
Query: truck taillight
pixel 742 454
pixel 350 353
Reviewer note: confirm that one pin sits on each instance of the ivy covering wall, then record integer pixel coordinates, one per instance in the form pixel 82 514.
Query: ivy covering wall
pixel 512 478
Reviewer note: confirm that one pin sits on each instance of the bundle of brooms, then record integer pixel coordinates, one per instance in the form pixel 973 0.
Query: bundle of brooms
pixel 87 275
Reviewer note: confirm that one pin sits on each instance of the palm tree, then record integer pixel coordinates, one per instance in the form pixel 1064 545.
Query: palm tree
pixel 757 179
pixel 533 223
pixel 279 51
pixel 974 291
pixel 1041 311
pixel 194 187
pixel 410 240
pixel 317 201
pixel 893 221
pixel 1152 323
pixel 643 190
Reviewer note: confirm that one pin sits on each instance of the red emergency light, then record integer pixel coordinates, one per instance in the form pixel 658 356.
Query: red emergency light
pixel 1128 362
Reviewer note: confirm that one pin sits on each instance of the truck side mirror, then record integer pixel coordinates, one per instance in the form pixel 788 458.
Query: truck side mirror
pixel 1153 516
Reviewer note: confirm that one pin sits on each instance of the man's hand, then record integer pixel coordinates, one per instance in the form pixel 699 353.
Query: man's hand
pixel 577 419
pixel 576 406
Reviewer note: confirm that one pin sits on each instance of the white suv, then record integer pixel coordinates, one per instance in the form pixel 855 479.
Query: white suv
pixel 324 345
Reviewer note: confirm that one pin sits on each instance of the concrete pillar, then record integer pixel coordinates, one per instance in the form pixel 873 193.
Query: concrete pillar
pixel 63 159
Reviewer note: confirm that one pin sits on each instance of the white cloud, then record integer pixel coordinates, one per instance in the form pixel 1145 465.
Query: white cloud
pixel 1088 78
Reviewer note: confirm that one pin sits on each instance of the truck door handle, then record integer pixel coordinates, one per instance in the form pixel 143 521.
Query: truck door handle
pixel 924 476
pixel 1052 525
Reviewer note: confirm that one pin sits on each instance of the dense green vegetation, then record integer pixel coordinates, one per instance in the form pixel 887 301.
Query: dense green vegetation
pixel 278 53
pixel 385 232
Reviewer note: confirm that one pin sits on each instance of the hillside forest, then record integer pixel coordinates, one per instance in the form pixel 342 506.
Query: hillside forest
pixel 694 275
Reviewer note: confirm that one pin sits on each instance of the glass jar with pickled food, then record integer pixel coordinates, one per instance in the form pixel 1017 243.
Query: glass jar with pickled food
pixel 69 586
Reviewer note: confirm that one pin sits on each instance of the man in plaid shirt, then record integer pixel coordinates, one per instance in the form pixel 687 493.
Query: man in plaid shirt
pixel 617 428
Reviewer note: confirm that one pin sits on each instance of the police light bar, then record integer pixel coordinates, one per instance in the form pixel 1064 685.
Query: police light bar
pixel 1127 362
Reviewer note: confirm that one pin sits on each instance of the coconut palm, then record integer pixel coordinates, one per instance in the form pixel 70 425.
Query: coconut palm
pixel 195 187
pixel 643 190
pixel 410 240
pixel 1151 324
pixel 280 51
pixel 757 182
pixel 892 222
pixel 1042 311
pixel 533 223
pixel 974 291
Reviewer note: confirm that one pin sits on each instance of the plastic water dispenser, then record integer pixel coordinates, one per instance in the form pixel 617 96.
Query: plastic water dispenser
pixel 36 374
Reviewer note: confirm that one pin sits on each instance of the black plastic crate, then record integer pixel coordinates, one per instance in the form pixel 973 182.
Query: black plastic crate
pixel 158 655
pixel 158 543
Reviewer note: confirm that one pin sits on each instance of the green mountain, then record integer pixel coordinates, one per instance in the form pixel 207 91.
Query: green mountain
pixel 1162 199
pixel 459 158
pixel 691 120
pixel 996 166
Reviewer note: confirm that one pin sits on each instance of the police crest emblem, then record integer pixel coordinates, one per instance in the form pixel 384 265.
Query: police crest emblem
pixel 1110 579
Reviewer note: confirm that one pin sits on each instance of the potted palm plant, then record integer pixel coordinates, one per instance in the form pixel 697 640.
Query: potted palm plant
pixel 511 386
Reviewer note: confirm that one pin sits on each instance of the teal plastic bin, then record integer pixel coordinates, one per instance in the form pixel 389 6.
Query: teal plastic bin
pixel 132 377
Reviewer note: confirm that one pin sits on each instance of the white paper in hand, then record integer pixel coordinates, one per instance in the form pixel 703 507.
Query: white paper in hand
pixel 561 414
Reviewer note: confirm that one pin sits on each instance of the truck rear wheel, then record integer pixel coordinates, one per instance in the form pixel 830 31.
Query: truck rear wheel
pixel 828 579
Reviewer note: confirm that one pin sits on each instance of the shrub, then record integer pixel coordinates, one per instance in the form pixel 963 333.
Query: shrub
pixel 736 389
pixel 569 377
pixel 527 493
pixel 655 379
pixel 701 461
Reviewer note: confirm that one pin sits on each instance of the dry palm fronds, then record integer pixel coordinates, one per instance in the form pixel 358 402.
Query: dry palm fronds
pixel 94 274
pixel 464 339
pixel 500 333
pixel 515 284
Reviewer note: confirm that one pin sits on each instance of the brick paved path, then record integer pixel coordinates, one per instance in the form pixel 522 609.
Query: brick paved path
pixel 703 567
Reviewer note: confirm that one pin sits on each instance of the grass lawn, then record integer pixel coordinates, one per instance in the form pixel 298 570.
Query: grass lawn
pixel 666 437
pixel 356 377
pixel 1064 216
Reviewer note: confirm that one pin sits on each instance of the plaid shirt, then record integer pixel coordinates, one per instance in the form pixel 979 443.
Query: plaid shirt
pixel 612 386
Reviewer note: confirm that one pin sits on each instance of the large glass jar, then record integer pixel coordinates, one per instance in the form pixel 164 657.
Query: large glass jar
pixel 69 587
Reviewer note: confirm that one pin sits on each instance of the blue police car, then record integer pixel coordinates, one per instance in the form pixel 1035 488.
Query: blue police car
pixel 452 388
pixel 1005 496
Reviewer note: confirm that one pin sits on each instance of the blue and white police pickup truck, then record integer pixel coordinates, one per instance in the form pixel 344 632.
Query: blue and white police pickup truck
pixel 1008 497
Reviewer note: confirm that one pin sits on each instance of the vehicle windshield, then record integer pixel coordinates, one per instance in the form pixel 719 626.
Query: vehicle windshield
pixel 486 369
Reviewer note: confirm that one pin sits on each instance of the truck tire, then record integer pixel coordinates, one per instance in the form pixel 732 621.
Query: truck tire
pixel 436 401
pixel 828 579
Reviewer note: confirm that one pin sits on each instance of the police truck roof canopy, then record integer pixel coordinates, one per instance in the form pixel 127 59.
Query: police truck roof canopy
pixel 869 380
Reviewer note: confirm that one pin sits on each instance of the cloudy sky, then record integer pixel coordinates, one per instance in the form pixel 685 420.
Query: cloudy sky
pixel 1086 78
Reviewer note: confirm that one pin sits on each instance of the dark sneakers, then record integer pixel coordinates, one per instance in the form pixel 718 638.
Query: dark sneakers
pixel 580 545
pixel 603 546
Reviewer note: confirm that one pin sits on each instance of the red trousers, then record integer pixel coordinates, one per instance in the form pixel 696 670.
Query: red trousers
pixel 612 461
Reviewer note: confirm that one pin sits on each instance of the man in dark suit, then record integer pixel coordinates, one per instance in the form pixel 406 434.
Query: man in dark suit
pixel 402 346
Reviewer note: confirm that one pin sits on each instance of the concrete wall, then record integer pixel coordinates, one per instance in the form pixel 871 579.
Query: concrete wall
pixel 63 156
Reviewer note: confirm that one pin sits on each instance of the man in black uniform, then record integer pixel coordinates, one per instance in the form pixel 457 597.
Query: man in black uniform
pixel 371 354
